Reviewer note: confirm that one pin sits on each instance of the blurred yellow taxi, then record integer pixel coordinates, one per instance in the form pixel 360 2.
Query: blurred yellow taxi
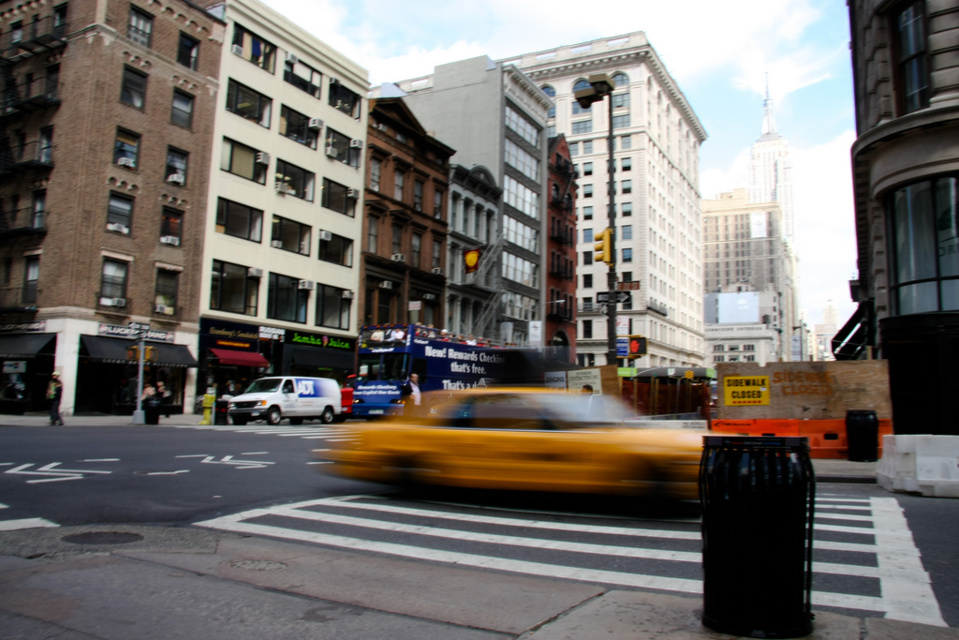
pixel 523 439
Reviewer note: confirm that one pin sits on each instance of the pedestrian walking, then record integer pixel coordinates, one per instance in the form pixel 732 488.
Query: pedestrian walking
pixel 54 391
pixel 410 392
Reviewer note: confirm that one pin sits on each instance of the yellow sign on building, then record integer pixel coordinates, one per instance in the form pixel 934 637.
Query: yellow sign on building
pixel 740 391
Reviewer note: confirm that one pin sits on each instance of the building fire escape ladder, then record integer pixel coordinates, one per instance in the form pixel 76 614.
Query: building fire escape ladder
pixel 484 277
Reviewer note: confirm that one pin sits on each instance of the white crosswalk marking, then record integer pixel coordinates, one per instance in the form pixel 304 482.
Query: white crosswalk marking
pixel 23 523
pixel 904 587
pixel 337 434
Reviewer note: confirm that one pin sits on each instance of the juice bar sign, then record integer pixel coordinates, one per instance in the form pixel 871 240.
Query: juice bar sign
pixel 321 340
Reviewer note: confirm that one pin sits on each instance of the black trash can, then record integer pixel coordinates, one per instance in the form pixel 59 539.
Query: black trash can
pixel 221 412
pixel 862 436
pixel 151 410
pixel 757 497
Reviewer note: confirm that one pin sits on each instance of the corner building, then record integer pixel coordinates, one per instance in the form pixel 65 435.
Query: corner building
pixel 280 265
pixel 106 130
pixel 906 185
pixel 657 216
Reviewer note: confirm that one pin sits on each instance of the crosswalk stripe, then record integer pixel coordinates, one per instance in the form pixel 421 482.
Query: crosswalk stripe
pixel 25 523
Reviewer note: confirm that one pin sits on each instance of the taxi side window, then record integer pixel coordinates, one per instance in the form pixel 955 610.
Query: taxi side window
pixel 505 412
pixel 288 386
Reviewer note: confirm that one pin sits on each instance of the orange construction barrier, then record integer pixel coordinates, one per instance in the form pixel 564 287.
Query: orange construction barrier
pixel 827 438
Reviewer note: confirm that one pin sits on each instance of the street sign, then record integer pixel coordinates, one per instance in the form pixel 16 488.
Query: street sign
pixel 632 285
pixel 622 346
pixel 139 326
pixel 602 297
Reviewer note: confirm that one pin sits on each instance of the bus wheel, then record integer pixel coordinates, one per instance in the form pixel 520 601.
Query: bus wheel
pixel 273 416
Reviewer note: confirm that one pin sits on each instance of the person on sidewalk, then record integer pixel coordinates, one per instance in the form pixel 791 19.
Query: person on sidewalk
pixel 410 393
pixel 54 391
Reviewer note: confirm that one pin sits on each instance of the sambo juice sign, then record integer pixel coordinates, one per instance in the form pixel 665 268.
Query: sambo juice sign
pixel 746 390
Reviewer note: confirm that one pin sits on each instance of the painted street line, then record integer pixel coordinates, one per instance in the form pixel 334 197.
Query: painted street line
pixel 240 464
pixel 54 473
pixel 23 523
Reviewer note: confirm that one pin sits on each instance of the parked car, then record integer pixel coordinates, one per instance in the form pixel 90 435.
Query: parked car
pixel 523 439
pixel 295 397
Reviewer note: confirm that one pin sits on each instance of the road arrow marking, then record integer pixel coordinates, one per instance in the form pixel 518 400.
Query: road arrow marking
pixel 56 475
pixel 239 464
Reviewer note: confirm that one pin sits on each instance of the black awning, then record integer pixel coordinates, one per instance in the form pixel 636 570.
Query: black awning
pixel 23 345
pixel 114 351
pixel 851 341
pixel 313 357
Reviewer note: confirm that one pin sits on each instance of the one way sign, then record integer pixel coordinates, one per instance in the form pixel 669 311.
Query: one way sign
pixel 602 297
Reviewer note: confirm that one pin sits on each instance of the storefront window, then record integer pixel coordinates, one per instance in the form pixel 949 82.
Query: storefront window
pixel 925 238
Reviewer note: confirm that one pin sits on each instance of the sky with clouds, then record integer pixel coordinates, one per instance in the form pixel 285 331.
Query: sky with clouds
pixel 719 53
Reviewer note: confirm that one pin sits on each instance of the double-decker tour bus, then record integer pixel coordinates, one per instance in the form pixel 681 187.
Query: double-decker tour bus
pixel 388 354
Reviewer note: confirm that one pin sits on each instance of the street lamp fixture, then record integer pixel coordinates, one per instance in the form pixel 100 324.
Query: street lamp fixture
pixel 601 86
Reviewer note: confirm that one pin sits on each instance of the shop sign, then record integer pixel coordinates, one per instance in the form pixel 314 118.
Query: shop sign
pixel 272 333
pixel 39 326
pixel 228 335
pixel 15 366
pixel 321 340
pixel 130 333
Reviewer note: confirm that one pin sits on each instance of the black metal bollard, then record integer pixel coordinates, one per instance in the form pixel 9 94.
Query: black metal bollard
pixel 757 497
pixel 862 436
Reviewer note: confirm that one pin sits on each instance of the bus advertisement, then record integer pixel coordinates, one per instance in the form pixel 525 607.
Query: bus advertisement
pixel 388 354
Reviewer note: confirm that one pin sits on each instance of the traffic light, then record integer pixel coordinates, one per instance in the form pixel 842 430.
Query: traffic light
pixel 149 353
pixel 602 248
pixel 637 346
pixel 133 353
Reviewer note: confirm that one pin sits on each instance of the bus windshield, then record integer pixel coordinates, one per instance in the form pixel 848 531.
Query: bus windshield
pixel 383 366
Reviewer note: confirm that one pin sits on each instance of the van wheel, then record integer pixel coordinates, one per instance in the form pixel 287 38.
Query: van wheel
pixel 296 420
pixel 273 416
pixel 327 416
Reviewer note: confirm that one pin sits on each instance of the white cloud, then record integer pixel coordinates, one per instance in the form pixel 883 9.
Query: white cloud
pixel 714 181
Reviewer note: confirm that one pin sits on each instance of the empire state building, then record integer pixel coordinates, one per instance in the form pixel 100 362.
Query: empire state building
pixel 770 171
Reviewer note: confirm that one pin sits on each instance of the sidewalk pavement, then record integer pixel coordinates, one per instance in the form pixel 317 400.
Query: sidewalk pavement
pixel 122 582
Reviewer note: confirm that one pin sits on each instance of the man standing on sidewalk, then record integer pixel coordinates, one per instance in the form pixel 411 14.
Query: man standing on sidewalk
pixel 54 391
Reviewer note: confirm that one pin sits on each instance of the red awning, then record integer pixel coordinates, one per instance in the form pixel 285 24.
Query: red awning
pixel 240 358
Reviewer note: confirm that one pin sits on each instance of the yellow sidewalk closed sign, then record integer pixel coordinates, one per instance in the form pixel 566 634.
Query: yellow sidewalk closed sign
pixel 746 390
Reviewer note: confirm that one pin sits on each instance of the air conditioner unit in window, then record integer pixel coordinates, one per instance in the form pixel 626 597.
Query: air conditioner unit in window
pixel 119 228
pixel 325 235
pixel 352 194
pixel 113 302
pixel 398 257
pixel 305 285
pixel 437 270
pixel 280 188
pixel 291 57
pixel 348 295
pixel 175 241
pixel 315 124
pixel 254 272
pixel 386 284
pixel 276 244
pixel 356 144
pixel 176 178
pixel 429 296
pixel 238 49
pixel 127 162
pixel 332 152
pixel 262 158
pixel 166 310
pixel 381 126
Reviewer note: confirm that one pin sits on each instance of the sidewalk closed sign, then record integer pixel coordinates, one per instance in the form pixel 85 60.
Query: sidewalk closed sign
pixel 746 390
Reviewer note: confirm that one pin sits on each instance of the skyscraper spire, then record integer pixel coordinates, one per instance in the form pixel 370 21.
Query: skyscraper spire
pixel 769 123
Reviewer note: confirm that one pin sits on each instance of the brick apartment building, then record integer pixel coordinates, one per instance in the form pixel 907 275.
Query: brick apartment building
pixel 560 327
pixel 106 124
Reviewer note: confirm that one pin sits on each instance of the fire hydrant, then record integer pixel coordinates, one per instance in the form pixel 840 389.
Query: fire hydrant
pixel 209 399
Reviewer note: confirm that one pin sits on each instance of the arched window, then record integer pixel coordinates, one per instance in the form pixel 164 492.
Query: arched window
pixel 581 84
pixel 620 79
pixel 551 92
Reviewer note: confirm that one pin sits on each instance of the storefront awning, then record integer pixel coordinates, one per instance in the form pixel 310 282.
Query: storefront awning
pixel 23 345
pixel 312 357
pixel 240 358
pixel 114 350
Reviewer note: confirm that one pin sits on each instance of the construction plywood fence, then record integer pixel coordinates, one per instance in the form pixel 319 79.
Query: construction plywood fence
pixel 802 390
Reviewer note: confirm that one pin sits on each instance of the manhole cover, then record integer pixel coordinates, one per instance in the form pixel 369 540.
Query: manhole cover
pixel 257 565
pixel 103 537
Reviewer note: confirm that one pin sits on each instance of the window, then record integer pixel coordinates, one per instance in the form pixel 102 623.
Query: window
pixel 587 213
pixel 551 92
pixel 188 51
pixel 337 249
pixel 627 164
pixel 399 181
pixel 587 258
pixel 627 255
pixel 719 347
pixel 342 148
pixel 244 161
pixel 303 77
pixel 418 195
pixel 295 181
pixel 376 168
pixel 252 47
pixel 587 191
pixel 627 186
pixel 239 220
pixel 31 276
pixel 627 232
pixel 587 235
pixel 587 168
pixel 416 249
pixel 620 100
pixel 165 294
pixel 171 224
pixel 397 243
pixel 233 289
pixel 344 100
pixel 141 27
pixel 120 212
pixel 587 147
pixel 127 149
pixel 912 83
pixel 182 112
pixel 522 126
pixel 38 213
pixel 176 166
pixel 290 235
pixel 285 300
pixel 520 159
pixel 588 281
pixel 583 126
pixel 373 235
pixel 437 204
pixel 113 279
pixel 626 142
pixel 45 146
pixel 249 104
pixel 296 126
pixel 436 260
pixel 332 309
pixel 621 121
pixel 587 324
pixel 627 209
pixel 339 198
pixel 134 88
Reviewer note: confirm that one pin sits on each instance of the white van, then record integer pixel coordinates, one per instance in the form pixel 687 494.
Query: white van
pixel 294 397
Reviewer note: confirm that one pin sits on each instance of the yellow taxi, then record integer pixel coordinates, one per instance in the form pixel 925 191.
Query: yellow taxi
pixel 522 439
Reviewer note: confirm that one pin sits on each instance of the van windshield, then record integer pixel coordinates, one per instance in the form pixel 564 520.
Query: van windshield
pixel 264 385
